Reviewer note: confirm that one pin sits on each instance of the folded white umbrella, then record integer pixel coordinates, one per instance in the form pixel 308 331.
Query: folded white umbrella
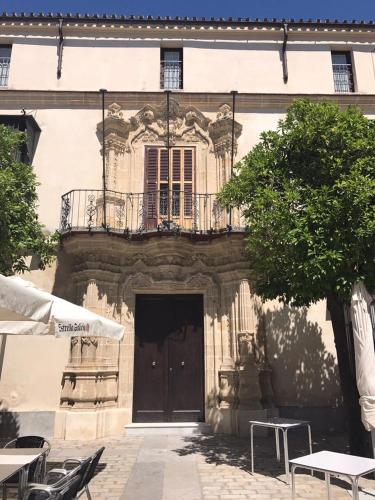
pixel 364 355
pixel 27 310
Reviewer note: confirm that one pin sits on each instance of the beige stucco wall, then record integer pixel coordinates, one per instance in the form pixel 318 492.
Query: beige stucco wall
pixel 302 354
pixel 87 65
pixel 213 61
pixel 254 65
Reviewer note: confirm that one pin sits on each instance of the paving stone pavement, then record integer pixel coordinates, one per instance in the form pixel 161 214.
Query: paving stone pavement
pixel 210 467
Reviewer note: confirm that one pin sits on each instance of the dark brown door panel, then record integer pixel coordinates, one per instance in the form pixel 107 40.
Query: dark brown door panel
pixel 168 365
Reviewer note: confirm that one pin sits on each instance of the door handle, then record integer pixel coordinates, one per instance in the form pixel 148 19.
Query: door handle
pixel 153 364
pixel 182 363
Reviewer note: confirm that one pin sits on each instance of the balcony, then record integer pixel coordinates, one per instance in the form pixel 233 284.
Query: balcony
pixel 343 77
pixel 136 214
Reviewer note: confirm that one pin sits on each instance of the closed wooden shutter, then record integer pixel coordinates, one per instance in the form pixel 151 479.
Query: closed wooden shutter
pixel 163 165
pixel 176 165
pixel 178 182
pixel 151 186
pixel 188 182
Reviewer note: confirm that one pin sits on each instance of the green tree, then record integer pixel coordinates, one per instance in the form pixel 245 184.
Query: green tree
pixel 21 234
pixel 307 191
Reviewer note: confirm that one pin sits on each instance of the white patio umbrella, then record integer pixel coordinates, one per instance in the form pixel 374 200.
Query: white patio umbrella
pixel 27 310
pixel 364 355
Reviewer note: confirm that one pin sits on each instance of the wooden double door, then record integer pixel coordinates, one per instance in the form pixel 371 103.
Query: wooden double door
pixel 168 361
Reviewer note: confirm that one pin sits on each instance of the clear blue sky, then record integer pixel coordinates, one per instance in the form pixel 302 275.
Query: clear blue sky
pixel 336 9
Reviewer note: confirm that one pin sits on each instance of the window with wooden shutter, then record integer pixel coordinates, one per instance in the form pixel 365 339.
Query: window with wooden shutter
pixel 188 182
pixel 151 186
pixel 169 184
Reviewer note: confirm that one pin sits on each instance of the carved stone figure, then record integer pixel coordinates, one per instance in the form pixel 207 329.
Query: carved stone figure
pixel 228 388
pixel 186 123
pixel 248 372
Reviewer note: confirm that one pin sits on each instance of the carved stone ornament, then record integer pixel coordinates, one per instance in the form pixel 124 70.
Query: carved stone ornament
pixel 185 123
pixel 221 131
pixel 150 125
pixel 228 388
pixel 116 129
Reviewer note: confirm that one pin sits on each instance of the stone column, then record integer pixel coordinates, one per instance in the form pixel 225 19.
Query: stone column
pixel 228 376
pixel 249 389
pixel 221 135
pixel 116 131
pixel 249 392
pixel 90 380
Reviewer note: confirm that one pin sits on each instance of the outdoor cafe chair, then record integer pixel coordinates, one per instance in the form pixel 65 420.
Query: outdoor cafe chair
pixel 56 482
pixel 37 469
pixel 66 489
pixel 84 485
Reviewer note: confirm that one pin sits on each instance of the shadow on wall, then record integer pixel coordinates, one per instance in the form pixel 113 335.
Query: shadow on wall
pixel 304 372
pixel 66 288
pixel 9 426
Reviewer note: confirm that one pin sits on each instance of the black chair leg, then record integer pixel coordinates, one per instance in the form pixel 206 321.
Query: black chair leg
pixel 88 494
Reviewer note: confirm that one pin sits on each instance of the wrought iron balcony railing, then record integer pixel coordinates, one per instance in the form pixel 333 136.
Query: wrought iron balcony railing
pixel 343 77
pixel 96 210
pixel 4 71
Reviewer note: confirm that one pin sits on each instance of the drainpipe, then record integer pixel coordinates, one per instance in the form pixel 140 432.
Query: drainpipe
pixel 285 62
pixel 168 92
pixel 104 223
pixel 60 48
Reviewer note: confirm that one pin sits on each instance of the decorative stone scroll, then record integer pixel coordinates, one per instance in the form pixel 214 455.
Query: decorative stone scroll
pixel 150 124
pixel 221 131
pixel 185 123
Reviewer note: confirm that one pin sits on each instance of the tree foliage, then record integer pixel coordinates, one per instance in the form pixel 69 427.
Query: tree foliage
pixel 21 234
pixel 307 191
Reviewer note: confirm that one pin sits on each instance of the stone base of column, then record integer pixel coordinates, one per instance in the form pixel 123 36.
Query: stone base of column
pixel 222 420
pixel 243 417
pixel 91 424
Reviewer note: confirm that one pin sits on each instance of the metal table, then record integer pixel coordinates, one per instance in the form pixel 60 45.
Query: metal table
pixel 13 460
pixel 283 425
pixel 337 464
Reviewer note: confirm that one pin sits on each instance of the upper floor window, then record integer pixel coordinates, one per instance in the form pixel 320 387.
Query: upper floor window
pixel 342 72
pixel 171 69
pixel 169 185
pixel 27 124
pixel 5 51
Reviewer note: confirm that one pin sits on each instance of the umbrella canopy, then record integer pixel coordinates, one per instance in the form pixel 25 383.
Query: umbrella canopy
pixel 27 310
pixel 364 353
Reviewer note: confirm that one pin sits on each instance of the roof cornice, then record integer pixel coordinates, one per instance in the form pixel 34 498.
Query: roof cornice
pixel 212 22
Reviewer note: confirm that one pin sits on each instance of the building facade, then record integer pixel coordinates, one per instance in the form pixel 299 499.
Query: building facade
pixel 134 124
